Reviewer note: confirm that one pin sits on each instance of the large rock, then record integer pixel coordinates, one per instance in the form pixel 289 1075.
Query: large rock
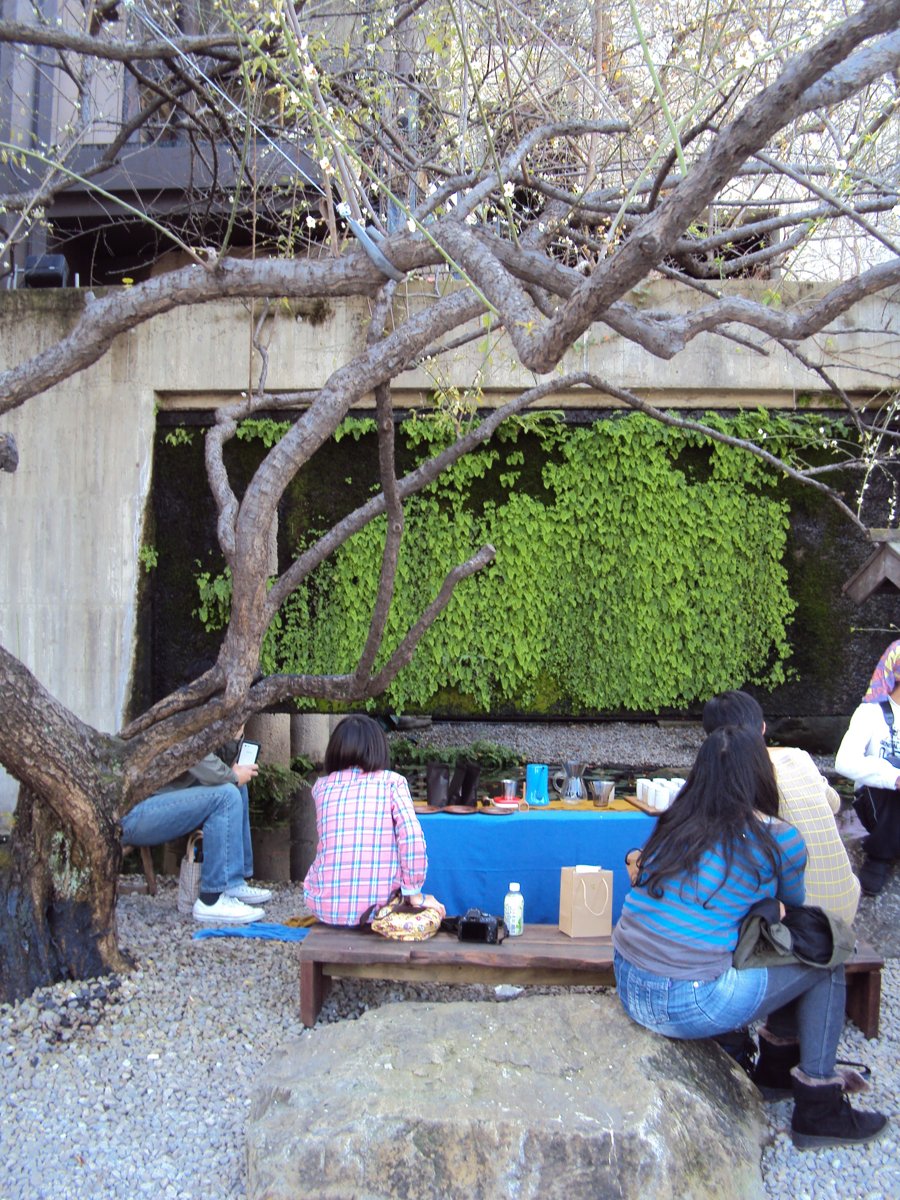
pixel 815 734
pixel 546 1096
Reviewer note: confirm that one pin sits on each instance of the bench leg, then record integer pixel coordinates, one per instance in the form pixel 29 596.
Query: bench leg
pixel 149 873
pixel 864 1001
pixel 314 987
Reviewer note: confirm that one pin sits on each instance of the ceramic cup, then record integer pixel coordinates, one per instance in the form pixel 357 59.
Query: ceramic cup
pixel 658 796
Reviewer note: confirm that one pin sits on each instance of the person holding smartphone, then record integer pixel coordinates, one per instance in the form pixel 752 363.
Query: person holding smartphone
pixel 211 796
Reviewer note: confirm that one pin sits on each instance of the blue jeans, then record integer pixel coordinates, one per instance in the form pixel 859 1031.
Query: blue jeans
pixel 805 1003
pixel 222 813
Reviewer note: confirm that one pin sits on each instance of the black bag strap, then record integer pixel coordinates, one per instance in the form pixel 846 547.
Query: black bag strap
pixel 365 921
pixel 889 721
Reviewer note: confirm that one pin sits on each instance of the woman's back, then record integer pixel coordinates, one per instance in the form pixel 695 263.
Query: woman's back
pixel 691 930
pixel 369 838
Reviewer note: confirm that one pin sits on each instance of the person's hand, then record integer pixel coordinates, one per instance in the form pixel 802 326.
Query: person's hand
pixel 245 773
pixel 420 900
pixel 633 865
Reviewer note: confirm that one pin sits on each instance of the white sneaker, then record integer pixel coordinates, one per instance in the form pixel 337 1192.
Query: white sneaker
pixel 247 894
pixel 227 911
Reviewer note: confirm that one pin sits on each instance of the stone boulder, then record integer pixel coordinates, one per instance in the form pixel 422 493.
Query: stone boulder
pixel 815 735
pixel 541 1097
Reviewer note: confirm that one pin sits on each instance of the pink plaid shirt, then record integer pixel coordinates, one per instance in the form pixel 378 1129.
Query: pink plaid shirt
pixel 370 842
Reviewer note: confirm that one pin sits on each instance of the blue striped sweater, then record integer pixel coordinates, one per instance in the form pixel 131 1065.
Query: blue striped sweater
pixel 691 931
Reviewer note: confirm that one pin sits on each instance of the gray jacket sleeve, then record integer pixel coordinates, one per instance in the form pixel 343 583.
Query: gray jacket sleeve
pixel 210 772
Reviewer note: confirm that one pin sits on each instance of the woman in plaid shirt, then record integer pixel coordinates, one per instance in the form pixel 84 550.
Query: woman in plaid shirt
pixel 370 839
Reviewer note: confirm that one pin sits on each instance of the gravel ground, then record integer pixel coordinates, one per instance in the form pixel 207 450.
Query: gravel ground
pixel 140 1085
pixel 613 744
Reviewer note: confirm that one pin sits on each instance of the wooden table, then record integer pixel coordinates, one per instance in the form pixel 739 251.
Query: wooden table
pixel 473 859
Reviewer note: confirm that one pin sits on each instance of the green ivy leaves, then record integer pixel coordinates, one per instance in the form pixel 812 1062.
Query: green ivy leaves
pixel 638 567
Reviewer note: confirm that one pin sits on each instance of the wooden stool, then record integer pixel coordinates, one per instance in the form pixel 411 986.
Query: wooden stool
pixel 147 864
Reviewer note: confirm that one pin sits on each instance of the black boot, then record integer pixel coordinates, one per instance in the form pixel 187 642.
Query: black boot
pixel 873 875
pixel 823 1115
pixel 437 779
pixel 772 1073
pixel 740 1046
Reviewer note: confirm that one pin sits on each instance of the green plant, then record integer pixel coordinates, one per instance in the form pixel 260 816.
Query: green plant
pixel 272 790
pixel 148 557
pixel 638 567
pixel 179 436
pixel 214 608
pixel 265 429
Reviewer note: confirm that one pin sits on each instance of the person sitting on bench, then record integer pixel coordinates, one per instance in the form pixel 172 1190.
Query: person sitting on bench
pixel 213 797
pixel 370 839
pixel 717 851
pixel 869 754
pixel 806 801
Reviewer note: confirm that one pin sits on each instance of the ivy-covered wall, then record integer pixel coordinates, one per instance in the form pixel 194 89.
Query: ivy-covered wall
pixel 638 569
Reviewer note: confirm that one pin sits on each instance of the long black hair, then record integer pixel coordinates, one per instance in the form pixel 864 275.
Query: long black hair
pixel 357 742
pixel 719 809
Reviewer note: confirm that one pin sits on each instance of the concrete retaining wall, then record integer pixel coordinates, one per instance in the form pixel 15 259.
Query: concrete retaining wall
pixel 71 516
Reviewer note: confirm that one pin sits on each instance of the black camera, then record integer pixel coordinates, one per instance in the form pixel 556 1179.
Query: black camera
pixel 478 926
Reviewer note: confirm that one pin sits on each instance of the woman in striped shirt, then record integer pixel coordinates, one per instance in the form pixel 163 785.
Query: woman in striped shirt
pixel 718 850
pixel 370 839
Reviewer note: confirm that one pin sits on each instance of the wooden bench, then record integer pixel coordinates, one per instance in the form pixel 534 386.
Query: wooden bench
pixel 542 955
pixel 863 972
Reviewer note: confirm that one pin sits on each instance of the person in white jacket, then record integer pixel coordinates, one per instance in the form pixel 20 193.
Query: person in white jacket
pixel 869 754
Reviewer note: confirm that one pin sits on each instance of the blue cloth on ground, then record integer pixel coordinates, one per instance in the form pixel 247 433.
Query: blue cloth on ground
pixel 259 929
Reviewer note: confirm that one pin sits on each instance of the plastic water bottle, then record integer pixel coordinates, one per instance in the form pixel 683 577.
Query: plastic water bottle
pixel 514 911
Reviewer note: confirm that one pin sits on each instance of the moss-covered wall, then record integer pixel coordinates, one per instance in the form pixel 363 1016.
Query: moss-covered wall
pixel 825 649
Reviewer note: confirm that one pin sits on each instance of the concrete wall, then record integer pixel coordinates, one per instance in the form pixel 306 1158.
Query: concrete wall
pixel 71 516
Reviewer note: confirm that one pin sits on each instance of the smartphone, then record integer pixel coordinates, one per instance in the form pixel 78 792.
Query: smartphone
pixel 248 754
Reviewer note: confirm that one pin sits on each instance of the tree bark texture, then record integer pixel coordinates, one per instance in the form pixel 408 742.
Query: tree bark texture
pixel 57 902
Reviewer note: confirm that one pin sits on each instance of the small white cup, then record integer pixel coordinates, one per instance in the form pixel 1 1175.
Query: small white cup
pixel 642 787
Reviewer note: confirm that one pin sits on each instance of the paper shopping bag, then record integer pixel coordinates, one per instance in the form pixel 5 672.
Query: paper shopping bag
pixel 585 901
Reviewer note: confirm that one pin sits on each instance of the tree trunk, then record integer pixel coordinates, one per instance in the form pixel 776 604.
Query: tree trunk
pixel 57 900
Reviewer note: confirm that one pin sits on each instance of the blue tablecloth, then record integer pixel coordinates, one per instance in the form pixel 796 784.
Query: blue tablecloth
pixel 472 859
